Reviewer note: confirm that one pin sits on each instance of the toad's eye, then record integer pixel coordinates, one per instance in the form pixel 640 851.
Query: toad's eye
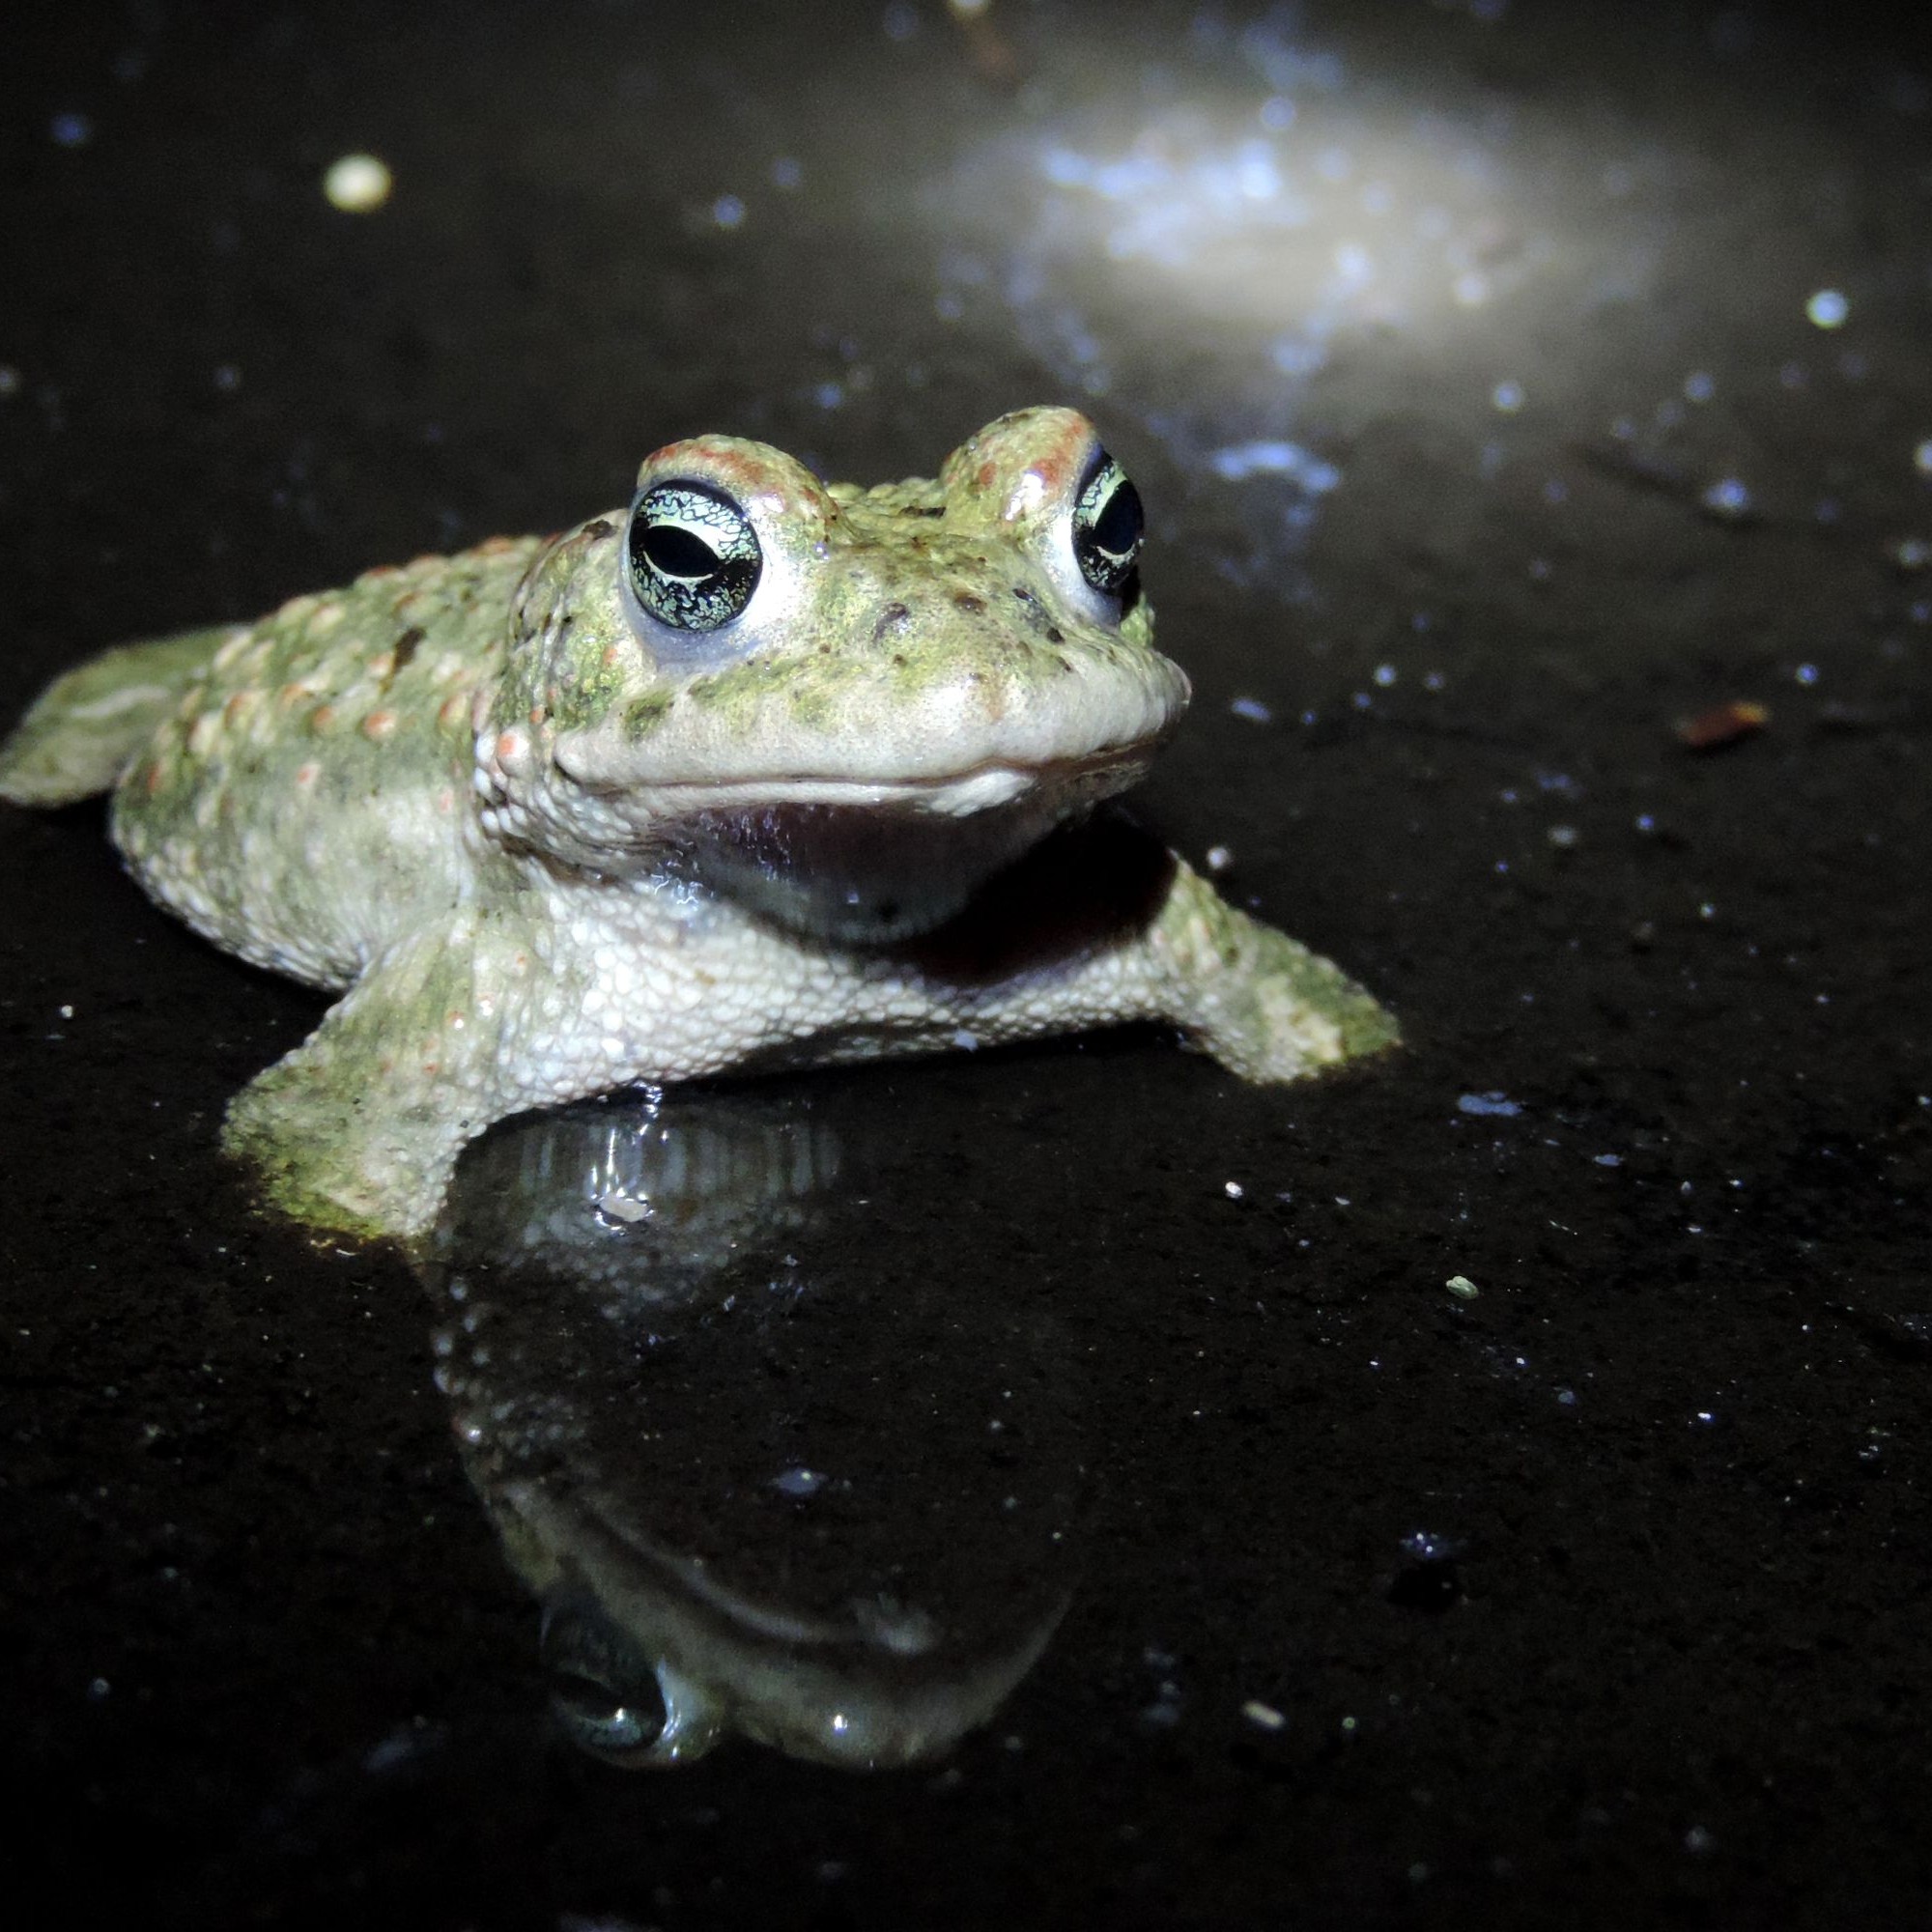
pixel 1108 525
pixel 694 555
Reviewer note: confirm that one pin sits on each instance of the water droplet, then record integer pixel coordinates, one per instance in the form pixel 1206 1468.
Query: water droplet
pixel 1728 496
pixel 1492 1103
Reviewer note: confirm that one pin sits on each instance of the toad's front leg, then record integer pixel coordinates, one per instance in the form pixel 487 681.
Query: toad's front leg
pixel 356 1131
pixel 1265 1006
pixel 561 993
pixel 1100 925
pixel 483 1014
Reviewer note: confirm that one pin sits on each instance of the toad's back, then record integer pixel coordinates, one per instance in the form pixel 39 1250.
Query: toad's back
pixel 307 797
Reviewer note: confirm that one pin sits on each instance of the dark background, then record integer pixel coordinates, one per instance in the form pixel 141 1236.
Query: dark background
pixel 1599 1599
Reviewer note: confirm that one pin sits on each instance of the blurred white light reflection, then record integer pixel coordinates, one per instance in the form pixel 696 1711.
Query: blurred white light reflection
pixel 1196 263
pixel 1237 462
pixel 1284 226
pixel 1828 309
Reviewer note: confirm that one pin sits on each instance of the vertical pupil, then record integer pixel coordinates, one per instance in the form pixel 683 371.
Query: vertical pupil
pixel 1117 529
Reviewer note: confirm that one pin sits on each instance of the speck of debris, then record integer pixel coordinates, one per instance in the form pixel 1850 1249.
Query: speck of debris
pixel 1722 725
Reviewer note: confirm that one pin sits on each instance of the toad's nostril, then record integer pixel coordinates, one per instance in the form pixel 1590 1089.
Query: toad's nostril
pixel 967 602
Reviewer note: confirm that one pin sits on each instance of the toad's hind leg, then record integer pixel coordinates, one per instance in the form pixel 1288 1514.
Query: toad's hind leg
pixel 84 730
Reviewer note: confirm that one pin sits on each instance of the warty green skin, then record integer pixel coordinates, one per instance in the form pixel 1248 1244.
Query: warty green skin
pixel 544 848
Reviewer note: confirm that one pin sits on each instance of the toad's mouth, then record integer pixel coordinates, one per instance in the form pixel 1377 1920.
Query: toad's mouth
pixel 871 863
pixel 1070 785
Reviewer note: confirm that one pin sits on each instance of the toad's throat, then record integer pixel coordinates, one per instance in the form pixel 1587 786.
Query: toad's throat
pixel 868 865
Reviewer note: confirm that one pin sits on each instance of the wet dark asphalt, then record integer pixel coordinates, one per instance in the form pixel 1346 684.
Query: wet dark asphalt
pixel 1599 1599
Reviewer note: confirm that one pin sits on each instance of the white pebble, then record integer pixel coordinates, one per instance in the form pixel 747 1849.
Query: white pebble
pixel 358 183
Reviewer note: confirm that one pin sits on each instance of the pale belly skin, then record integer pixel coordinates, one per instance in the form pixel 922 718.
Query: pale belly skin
pixel 316 797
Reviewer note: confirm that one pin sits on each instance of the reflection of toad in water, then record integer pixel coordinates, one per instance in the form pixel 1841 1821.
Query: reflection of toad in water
pixel 751 1494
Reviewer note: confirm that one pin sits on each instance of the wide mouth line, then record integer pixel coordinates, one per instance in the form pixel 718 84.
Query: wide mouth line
pixel 828 789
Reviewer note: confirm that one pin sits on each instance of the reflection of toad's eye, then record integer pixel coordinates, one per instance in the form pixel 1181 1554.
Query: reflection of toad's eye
pixel 694 555
pixel 602 1691
pixel 1108 523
